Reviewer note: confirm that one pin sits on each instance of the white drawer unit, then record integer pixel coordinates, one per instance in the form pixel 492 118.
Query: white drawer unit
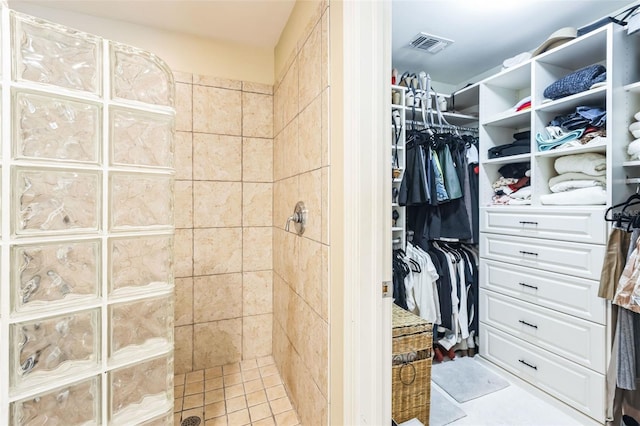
pixel 580 260
pixel 574 338
pixel 577 386
pixel 564 293
pixel 582 225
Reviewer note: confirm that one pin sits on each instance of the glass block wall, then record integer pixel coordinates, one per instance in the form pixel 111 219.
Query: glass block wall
pixel 86 296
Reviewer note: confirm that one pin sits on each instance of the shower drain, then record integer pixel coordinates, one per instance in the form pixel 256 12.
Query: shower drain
pixel 191 421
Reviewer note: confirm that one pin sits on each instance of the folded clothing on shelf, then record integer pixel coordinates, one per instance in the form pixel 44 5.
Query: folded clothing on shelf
pixel 590 163
pixel 513 186
pixel 575 176
pixel 584 116
pixel 593 195
pixel 576 82
pixel 521 146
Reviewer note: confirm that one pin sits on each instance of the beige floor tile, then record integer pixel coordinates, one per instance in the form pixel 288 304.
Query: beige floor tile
pixel 231 368
pixel 253 386
pixel 288 418
pixel 194 388
pixel 259 412
pixel 213 410
pixel 178 391
pixel 178 379
pixel 213 396
pixel 193 412
pixel 276 392
pixel 255 398
pixel 195 376
pixel 265 360
pixel 264 422
pixel 177 405
pixel 212 384
pixel 249 375
pixel 248 364
pixel 239 418
pixel 193 401
pixel 233 391
pixel 236 404
pixel 273 380
pixel 232 379
pixel 176 419
pixel 218 421
pixel 211 373
pixel 268 370
pixel 280 405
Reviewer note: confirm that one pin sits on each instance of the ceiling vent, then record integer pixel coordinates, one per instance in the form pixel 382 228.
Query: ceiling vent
pixel 429 43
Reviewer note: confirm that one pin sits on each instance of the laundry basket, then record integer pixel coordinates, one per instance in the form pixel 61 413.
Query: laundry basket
pixel 411 369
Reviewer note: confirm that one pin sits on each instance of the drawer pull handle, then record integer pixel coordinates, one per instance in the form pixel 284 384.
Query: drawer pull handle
pixel 526 222
pixel 528 252
pixel 526 323
pixel 529 286
pixel 527 364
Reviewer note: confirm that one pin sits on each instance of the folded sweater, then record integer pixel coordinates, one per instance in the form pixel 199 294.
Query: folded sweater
pixel 594 195
pixel 591 163
pixel 575 176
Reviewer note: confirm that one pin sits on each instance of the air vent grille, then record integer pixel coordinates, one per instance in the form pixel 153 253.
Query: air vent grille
pixel 429 43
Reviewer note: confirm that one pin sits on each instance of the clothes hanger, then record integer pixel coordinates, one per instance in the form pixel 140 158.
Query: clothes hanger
pixel 627 203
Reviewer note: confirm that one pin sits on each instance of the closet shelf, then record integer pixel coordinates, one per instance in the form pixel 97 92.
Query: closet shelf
pixel 588 97
pixel 598 147
pixel 396 87
pixel 633 87
pixel 398 107
pixel 510 119
pixel 397 147
pixel 633 163
pixel 397 228
pixel 635 180
pixel 510 159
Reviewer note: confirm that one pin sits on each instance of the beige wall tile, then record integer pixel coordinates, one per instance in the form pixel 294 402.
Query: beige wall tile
pixel 183 155
pixel 289 94
pixel 183 352
pixel 217 251
pixel 257 115
pixel 286 250
pixel 217 110
pixel 183 252
pixel 324 206
pixel 257 204
pixel 278 110
pixel 285 196
pixel 217 297
pixel 257 248
pixel 310 63
pixel 256 335
pixel 319 353
pixel 182 77
pixel 207 80
pixel 217 204
pixel 311 194
pixel 310 270
pixel 310 136
pixel 326 137
pixel 217 343
pixel 290 154
pixel 184 113
pixel 248 86
pixel 183 204
pixel 324 305
pixel 325 73
pixel 183 311
pixel 280 302
pixel 257 160
pixel 278 157
pixel 217 157
pixel 257 293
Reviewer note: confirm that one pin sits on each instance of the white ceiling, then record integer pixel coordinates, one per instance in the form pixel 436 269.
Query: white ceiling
pixel 485 33
pixel 251 22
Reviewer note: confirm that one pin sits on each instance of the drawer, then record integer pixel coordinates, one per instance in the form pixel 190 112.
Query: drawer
pixel 582 225
pixel 577 386
pixel 564 293
pixel 574 338
pixel 577 259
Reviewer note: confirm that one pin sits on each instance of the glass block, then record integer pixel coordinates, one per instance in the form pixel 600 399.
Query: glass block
pixel 141 76
pixel 141 139
pixel 55 128
pixel 142 324
pixel 55 201
pixel 141 201
pixel 164 420
pixel 54 274
pixel 75 404
pixel 44 350
pixel 140 389
pixel 49 53
pixel 139 262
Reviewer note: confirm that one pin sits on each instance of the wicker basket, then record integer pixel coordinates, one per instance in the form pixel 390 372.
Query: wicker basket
pixel 411 370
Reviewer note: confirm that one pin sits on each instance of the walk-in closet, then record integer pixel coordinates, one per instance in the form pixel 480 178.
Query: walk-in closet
pixel 514 142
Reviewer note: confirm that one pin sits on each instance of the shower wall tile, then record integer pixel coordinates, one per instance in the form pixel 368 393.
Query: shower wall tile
pixel 324 37
pixel 217 157
pixel 291 153
pixel 310 63
pixel 309 285
pixel 183 253
pixel 217 297
pixel 257 204
pixel 217 110
pixel 183 301
pixel 217 204
pixel 183 155
pixel 310 136
pixel 256 336
pixel 217 343
pixel 217 251
pixel 183 350
pixel 278 110
pixel 257 160
pixel 183 77
pixel 265 89
pixel 150 194
pixel 184 105
pixel 257 115
pixel 184 204
pixel 311 191
pixel 278 157
pixel 224 83
pixel 289 93
pixel 257 247
pixel 257 292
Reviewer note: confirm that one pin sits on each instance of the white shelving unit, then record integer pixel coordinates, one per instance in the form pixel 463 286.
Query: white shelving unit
pixel 398 154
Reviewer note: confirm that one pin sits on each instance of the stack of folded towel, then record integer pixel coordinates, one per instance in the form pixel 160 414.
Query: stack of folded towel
pixel 580 181
pixel 513 186
pixel 634 147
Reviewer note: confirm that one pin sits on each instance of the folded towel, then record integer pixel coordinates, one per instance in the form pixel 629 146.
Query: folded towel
pixel 633 149
pixel 575 176
pixel 570 185
pixel 594 195
pixel 591 163
pixel 523 193
pixel 576 82
pixel 545 144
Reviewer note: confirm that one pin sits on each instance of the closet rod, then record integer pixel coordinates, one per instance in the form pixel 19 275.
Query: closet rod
pixel 444 126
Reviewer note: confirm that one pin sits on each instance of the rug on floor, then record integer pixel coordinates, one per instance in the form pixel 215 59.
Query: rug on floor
pixel 442 411
pixel 466 379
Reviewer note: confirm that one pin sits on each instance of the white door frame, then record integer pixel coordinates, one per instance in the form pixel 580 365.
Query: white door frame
pixel 367 218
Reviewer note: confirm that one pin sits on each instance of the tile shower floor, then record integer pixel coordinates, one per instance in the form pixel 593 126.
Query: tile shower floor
pixel 245 393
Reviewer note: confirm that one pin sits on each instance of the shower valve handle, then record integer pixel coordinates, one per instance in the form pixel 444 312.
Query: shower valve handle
pixel 299 218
